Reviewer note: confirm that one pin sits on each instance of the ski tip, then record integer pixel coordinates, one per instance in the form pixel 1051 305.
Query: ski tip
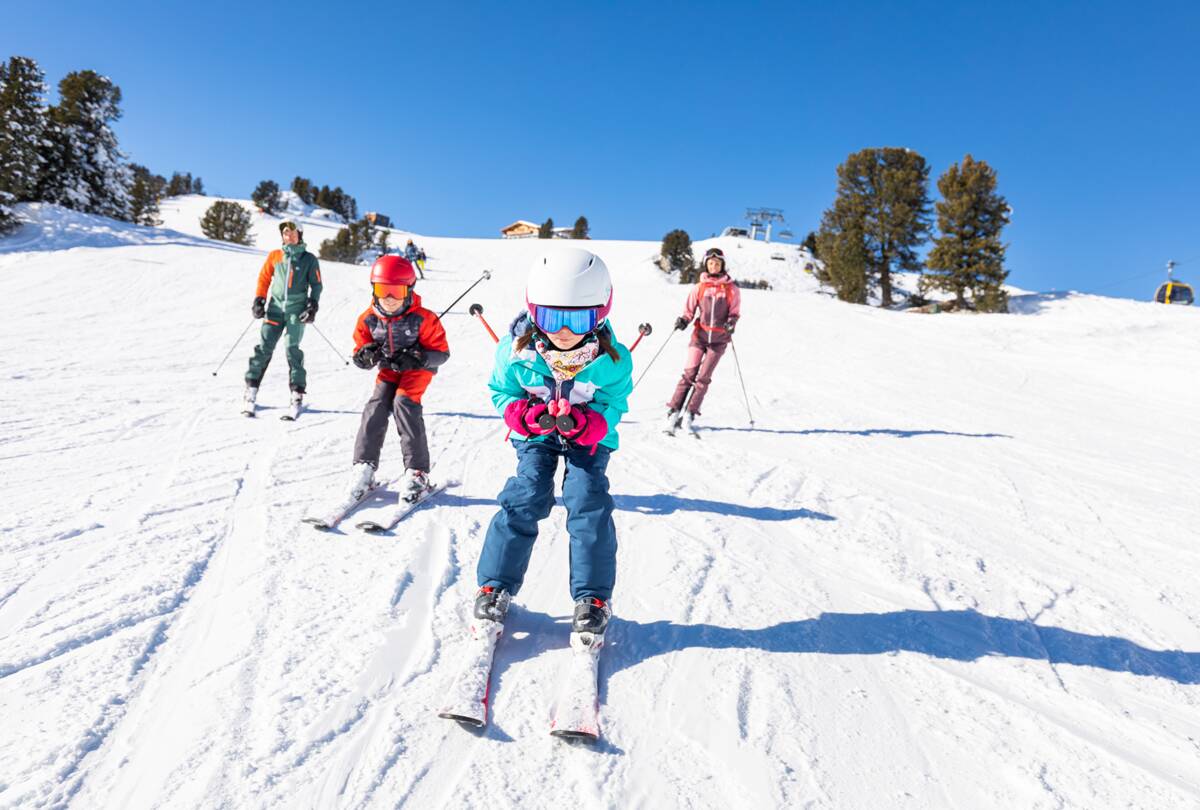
pixel 370 527
pixel 575 735
pixel 316 523
pixel 466 720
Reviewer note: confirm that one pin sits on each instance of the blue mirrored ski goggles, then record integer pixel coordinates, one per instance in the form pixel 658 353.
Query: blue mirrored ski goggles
pixel 579 321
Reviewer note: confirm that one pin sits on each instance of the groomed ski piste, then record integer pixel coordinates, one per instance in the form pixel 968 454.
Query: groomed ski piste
pixel 952 564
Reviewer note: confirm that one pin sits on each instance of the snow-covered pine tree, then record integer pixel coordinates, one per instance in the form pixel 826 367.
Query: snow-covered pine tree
pixel 968 254
pixel 266 196
pixel 144 195
pixel 84 169
pixel 22 127
pixel 227 221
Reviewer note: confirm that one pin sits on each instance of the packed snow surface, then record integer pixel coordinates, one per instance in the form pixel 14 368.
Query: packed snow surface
pixel 953 562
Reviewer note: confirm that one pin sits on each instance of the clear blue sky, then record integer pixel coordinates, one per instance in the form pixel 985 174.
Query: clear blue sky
pixel 457 118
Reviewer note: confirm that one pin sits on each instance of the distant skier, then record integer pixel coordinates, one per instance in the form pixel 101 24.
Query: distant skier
pixel 421 261
pixel 715 304
pixel 561 381
pixel 412 253
pixel 408 344
pixel 287 295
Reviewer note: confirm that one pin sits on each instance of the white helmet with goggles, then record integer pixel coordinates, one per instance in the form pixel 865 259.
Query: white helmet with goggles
pixel 571 288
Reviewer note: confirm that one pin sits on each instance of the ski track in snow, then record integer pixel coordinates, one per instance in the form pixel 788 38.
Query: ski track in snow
pixel 941 571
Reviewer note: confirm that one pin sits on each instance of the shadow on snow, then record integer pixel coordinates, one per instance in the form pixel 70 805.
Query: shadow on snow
pixel 669 504
pixel 900 434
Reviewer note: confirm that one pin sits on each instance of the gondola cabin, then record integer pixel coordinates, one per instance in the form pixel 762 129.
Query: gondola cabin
pixel 1174 292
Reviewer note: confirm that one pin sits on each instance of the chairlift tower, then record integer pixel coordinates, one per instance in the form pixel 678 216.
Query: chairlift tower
pixel 762 218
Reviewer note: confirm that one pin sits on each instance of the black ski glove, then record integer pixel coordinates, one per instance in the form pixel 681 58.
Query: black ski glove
pixel 682 322
pixel 409 359
pixel 310 311
pixel 367 356
pixel 259 308
pixel 730 324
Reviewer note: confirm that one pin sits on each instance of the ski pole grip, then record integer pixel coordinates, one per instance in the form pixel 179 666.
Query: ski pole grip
pixel 477 311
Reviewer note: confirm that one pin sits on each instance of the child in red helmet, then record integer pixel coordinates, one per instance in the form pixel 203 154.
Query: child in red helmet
pixel 408 344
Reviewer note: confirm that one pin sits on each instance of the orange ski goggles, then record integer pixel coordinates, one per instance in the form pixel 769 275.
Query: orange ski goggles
pixel 397 291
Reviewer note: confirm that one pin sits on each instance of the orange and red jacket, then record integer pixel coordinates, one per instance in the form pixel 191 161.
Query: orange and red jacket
pixel 415 326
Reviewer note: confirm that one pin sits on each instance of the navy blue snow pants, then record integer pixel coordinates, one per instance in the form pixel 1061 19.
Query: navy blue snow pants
pixel 528 497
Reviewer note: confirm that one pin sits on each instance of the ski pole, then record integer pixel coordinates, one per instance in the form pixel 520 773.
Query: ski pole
pixel 652 359
pixel 738 366
pixel 477 311
pixel 486 275
pixel 330 342
pixel 643 330
pixel 234 346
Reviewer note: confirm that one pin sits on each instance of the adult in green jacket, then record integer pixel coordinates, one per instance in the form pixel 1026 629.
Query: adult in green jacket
pixel 286 298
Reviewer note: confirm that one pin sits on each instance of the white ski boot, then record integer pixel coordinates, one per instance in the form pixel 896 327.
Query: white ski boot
pixel 248 400
pixel 296 406
pixel 673 420
pixel 362 480
pixel 689 423
pixel 415 484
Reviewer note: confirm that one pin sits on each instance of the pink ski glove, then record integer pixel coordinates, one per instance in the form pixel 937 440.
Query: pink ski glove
pixel 522 416
pixel 589 428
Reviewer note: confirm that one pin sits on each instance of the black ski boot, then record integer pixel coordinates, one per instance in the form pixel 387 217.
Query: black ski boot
pixel 492 603
pixel 591 616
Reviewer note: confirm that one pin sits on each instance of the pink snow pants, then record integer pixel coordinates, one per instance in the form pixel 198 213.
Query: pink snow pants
pixel 702 359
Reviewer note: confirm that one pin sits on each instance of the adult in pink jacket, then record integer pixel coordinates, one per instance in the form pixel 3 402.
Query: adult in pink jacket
pixel 713 307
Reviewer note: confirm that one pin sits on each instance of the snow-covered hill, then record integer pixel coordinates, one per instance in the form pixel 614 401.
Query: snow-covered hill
pixel 952 564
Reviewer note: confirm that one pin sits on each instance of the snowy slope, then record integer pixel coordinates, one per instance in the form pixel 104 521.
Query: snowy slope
pixel 952 565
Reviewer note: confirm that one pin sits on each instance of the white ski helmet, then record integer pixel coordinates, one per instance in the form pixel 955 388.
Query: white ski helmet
pixel 569 277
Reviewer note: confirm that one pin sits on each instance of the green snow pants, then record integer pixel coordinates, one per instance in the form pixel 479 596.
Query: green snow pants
pixel 274 325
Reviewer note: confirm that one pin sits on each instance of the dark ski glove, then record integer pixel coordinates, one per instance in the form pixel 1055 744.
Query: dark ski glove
pixel 409 359
pixel 682 322
pixel 259 307
pixel 367 356
pixel 730 324
pixel 310 311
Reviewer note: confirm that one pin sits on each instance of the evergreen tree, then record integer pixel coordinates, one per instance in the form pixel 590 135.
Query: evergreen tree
pixel 878 220
pixel 810 244
pixel 22 127
pixel 303 189
pixel 968 255
pixel 227 221
pixel 546 231
pixel 580 231
pixel 677 256
pixel 144 195
pixel 345 205
pixel 84 169
pixel 198 186
pixel 349 243
pixel 384 235
pixel 179 185
pixel 266 196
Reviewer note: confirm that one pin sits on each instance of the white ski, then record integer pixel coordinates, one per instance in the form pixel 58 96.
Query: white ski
pixel 403 509
pixel 333 515
pixel 577 711
pixel 467 698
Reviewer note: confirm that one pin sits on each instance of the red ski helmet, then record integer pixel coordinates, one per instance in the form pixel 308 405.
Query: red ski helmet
pixel 391 269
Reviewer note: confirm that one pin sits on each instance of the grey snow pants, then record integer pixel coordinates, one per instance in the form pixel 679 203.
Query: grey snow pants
pixel 410 424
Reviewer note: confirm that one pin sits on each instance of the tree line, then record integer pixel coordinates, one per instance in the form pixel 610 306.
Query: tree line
pixel 67 153
pixel 881 217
